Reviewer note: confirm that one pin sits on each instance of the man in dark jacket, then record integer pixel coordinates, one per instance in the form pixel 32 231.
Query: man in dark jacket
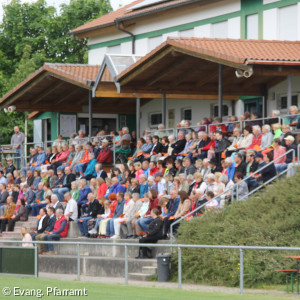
pixel 66 184
pixel 10 167
pixel 41 224
pixel 289 141
pixel 94 209
pixel 179 145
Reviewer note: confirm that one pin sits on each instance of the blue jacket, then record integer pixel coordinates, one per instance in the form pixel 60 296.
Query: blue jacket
pixel 90 169
pixel 118 188
pixel 172 207
pixel 143 189
pixel 119 209
pixel 50 225
pixel 41 158
pixel 230 172
pixel 83 193
pixel 30 196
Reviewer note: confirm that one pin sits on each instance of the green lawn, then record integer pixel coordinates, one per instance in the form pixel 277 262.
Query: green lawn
pixel 106 292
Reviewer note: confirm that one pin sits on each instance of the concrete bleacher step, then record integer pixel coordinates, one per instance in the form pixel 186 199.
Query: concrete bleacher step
pixel 92 266
pixel 139 276
pixel 103 251
pixel 150 270
pixel 26 223
pixel 11 235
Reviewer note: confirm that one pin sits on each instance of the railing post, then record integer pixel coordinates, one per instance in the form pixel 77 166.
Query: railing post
pixel 179 269
pixel 114 149
pixel 35 260
pixel 78 262
pixel 241 271
pixel 126 264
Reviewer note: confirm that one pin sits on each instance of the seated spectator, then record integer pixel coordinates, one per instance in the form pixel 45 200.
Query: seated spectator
pixel 60 158
pixel 9 212
pixel 274 117
pixel 169 186
pixel 126 227
pixel 156 148
pixel 30 198
pixel 124 138
pixel 90 171
pixel 280 163
pixel 211 182
pixel 60 230
pixel 135 187
pixel 146 168
pixel 189 168
pixel 160 182
pixel 246 140
pixel 242 187
pixel 55 203
pixel 69 160
pixel 237 138
pixel 254 122
pixel 102 187
pixel 78 156
pixel 52 179
pixel 267 173
pixel 94 209
pixel 214 167
pixel 42 223
pixel 240 165
pixel 106 206
pixel 17 176
pixel 110 232
pixel 151 184
pixel 26 237
pixel 74 191
pixel 277 131
pixel 143 185
pixel 198 183
pixel 286 131
pixel 179 167
pixel 267 137
pixel 218 126
pixel 256 141
pixel 138 170
pixel 221 145
pixel 32 161
pixel 201 151
pixel 229 168
pixel 66 184
pixel 293 118
pixel 78 167
pixel 10 169
pixel 39 198
pixel 100 172
pixel 29 178
pixel 212 202
pixel 105 155
pixel 204 125
pixel 71 211
pixel 3 178
pixel 289 142
pixel 179 145
pixel 116 186
pixel 219 185
pixel 154 234
pixel 146 219
pixel 3 194
pixel 60 180
pixel 18 215
pixel 82 201
pixel 252 166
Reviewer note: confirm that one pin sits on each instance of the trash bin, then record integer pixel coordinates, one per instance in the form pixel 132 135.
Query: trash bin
pixel 163 266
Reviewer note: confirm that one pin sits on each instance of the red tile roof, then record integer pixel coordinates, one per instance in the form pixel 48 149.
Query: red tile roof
pixel 74 73
pixel 237 51
pixel 125 13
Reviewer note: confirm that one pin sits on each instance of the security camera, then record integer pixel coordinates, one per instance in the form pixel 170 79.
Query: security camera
pixel 11 108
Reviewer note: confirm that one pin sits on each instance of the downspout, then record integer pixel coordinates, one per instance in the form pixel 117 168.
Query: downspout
pixel 127 32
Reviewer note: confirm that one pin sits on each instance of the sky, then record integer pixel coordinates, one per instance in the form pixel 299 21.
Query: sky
pixel 114 3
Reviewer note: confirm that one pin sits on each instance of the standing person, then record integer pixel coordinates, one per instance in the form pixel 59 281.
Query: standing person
pixel 17 141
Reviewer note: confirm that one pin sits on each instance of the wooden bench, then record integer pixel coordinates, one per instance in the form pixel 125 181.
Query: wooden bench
pixel 290 274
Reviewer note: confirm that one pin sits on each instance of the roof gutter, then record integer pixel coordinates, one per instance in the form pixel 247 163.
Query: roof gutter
pixel 272 62
pixel 127 32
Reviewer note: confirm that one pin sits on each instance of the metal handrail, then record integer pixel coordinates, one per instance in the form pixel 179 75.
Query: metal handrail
pixel 267 165
pixel 226 191
pixel 126 245
pixel 223 123
pixel 178 129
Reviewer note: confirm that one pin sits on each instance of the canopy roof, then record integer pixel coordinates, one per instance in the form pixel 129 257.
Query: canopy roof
pixel 191 65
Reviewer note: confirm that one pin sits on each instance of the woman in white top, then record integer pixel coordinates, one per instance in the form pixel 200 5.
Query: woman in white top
pixel 26 237
pixel 246 141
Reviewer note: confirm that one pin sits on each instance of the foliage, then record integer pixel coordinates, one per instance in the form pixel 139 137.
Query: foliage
pixel 33 33
pixel 270 218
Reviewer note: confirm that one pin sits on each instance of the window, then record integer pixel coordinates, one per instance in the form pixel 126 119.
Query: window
pixel 252 27
pixel 155 119
pixel 288 23
pixel 186 114
pixel 284 104
pixel 224 110
pixel 220 30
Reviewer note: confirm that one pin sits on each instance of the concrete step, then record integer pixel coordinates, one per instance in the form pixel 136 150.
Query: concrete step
pixel 11 235
pixel 150 270
pixel 103 251
pixel 18 229
pixel 139 276
pixel 92 266
pixel 26 223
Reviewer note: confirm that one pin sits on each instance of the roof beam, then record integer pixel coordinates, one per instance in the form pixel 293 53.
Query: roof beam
pixel 47 92
pixel 277 71
pixel 72 93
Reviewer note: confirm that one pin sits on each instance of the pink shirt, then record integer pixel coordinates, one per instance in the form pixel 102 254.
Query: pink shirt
pixel 278 152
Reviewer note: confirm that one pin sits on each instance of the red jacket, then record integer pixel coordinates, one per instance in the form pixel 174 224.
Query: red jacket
pixel 112 208
pixel 153 204
pixel 153 171
pixel 217 127
pixel 63 156
pixel 105 155
pixel 102 190
pixel 210 144
pixel 256 141
pixel 58 226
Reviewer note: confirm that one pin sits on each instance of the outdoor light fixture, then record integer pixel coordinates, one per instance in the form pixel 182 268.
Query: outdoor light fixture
pixel 9 109
pixel 241 73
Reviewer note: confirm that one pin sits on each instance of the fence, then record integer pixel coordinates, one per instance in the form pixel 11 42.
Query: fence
pixel 179 247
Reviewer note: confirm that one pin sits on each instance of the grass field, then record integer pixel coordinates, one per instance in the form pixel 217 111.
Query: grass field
pixel 104 291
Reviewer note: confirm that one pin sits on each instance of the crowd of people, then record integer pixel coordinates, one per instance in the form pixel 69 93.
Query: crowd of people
pixel 165 178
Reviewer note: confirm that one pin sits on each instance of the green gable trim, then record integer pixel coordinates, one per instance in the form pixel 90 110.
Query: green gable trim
pixel 248 7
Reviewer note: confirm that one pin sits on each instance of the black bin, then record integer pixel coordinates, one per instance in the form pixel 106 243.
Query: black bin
pixel 163 267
